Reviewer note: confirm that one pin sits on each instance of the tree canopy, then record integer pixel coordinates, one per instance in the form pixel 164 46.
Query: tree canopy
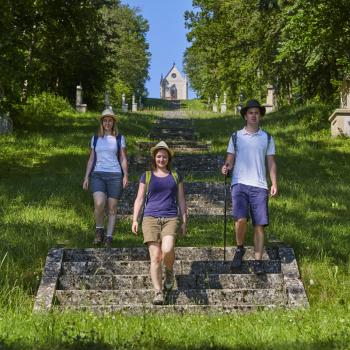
pixel 302 47
pixel 53 45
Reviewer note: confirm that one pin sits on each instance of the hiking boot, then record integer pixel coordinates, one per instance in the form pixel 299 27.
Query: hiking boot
pixel 99 236
pixel 158 298
pixel 238 257
pixel 169 279
pixel 258 267
pixel 108 242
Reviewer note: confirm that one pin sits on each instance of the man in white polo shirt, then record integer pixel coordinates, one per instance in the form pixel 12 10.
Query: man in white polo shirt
pixel 248 151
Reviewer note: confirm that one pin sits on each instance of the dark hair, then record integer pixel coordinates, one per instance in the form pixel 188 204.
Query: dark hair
pixel 153 163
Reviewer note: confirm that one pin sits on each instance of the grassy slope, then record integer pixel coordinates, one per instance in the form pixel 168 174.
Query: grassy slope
pixel 42 205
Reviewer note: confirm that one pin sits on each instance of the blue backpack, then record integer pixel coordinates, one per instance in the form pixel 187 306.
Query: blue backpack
pixel 119 147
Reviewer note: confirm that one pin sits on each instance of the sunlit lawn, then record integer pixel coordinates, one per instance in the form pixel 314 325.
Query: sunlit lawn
pixel 42 205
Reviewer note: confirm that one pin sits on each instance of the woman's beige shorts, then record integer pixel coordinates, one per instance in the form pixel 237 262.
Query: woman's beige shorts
pixel 154 229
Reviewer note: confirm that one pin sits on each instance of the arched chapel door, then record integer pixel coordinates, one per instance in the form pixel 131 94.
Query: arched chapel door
pixel 173 92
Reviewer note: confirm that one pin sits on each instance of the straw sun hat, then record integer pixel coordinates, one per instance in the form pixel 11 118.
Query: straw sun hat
pixel 161 145
pixel 108 113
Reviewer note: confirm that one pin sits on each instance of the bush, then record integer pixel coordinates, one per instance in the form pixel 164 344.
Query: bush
pixel 42 108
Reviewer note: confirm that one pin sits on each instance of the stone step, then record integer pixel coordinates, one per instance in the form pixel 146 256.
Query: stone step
pixel 173 123
pixel 181 253
pixel 194 281
pixel 179 297
pixel 168 309
pixel 178 146
pixel 170 126
pixel 173 135
pixel 184 163
pixel 180 267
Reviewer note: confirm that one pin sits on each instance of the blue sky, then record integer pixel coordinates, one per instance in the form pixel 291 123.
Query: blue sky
pixel 166 36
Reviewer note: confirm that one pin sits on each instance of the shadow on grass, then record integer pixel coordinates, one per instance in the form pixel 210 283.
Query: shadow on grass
pixel 163 345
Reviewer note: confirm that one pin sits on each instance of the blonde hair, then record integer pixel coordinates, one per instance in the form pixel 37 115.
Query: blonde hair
pixel 154 165
pixel 101 131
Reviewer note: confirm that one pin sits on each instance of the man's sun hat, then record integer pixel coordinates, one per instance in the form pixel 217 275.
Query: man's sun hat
pixel 253 104
pixel 161 145
pixel 108 112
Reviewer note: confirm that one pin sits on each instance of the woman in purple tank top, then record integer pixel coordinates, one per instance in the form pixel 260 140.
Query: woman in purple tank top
pixel 164 199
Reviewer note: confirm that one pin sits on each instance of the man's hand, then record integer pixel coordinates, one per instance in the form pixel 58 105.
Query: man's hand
pixel 225 169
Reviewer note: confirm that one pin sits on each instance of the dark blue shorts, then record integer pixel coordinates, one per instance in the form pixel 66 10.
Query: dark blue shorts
pixel 109 183
pixel 250 201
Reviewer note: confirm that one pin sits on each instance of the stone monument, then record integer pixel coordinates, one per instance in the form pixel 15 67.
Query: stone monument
pixel 223 104
pixel 270 104
pixel 215 105
pixel 134 104
pixel 124 105
pixel 340 119
pixel 79 106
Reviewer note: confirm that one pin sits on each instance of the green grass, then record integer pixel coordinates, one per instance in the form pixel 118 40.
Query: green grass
pixel 42 205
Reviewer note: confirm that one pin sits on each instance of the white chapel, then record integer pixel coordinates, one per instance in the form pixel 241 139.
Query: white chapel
pixel 174 85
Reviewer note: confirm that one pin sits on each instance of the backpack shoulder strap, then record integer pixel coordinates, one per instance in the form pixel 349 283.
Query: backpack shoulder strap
pixel 175 176
pixel 119 144
pixel 148 180
pixel 268 140
pixel 95 141
pixel 119 147
pixel 234 140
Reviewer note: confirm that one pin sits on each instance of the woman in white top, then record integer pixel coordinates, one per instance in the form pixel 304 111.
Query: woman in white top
pixel 107 170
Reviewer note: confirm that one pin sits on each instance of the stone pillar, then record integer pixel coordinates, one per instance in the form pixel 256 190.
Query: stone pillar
pixel 107 102
pixel 215 105
pixel 134 104
pixel 270 104
pixel 79 106
pixel 124 105
pixel 340 119
pixel 6 125
pixel 223 104
pixel 240 103
pixel 345 94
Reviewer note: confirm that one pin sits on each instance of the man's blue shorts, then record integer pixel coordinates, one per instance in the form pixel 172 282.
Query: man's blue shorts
pixel 250 200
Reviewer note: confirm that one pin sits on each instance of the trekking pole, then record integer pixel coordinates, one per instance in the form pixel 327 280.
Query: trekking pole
pixel 225 216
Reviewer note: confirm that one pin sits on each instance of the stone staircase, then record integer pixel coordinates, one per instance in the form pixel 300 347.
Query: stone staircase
pixel 117 280
pixel 178 132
